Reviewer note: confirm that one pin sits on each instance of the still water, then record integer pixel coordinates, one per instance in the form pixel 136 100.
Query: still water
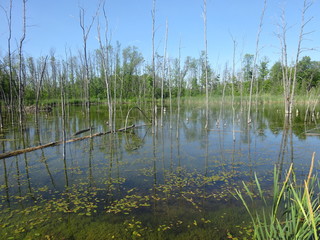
pixel 175 183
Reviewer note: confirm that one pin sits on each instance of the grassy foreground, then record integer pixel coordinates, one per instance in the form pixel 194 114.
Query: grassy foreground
pixel 295 209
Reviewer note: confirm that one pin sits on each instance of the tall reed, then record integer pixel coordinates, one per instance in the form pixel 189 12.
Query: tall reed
pixel 295 210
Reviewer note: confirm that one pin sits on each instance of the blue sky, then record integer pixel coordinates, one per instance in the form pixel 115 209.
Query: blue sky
pixel 55 25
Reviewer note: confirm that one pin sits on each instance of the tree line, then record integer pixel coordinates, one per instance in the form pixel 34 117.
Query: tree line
pixel 131 77
pixel 113 72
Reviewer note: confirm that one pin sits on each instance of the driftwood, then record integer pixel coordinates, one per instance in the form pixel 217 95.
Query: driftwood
pixel 312 134
pixel 82 131
pixel 125 126
pixel 32 109
pixel 222 130
pixel 30 149
pixel 312 130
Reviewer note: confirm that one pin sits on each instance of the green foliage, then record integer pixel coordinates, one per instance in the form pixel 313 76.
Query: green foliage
pixel 30 97
pixel 247 66
pixel 308 74
pixel 294 211
pixel 131 79
pixel 4 80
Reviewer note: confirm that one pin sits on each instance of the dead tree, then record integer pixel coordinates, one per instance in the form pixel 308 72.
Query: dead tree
pixel 179 90
pixel 39 85
pixel 21 63
pixel 1 118
pixel 153 13
pixel 164 71
pixel 254 72
pixel 104 55
pixel 289 74
pixel 232 85
pixel 170 94
pixel 116 72
pixel 9 22
pixel 206 60
pixel 224 81
pixel 85 33
pixel 62 77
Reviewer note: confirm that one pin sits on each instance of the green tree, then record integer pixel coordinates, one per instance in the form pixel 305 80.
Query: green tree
pixel 194 85
pixel 263 69
pixel 247 63
pixel 274 83
pixel 308 74
pixel 203 73
pixel 263 72
pixel 132 59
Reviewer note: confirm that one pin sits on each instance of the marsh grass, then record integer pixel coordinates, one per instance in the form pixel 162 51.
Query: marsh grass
pixel 262 98
pixel 295 210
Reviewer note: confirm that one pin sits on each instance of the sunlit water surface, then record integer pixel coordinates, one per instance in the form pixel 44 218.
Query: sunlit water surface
pixel 177 182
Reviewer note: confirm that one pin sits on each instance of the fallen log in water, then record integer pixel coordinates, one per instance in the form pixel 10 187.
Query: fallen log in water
pixel 312 134
pixel 82 131
pixel 30 149
pixel 222 130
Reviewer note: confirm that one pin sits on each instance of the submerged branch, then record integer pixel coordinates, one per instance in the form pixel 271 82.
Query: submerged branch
pixel 82 131
pixel 30 149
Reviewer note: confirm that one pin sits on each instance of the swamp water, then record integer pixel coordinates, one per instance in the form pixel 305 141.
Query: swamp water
pixel 175 183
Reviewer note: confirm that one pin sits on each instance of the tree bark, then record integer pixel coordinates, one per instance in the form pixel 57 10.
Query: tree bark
pixel 290 74
pixel 39 86
pixel 11 83
pixel 85 34
pixel 164 71
pixel 153 13
pixel 255 61
pixel 104 54
pixel 1 119
pixel 232 83
pixel 21 74
pixel 206 60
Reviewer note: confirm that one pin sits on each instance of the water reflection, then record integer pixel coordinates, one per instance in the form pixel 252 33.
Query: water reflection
pixel 151 176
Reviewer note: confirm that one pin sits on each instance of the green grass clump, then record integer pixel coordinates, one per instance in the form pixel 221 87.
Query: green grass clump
pixel 295 210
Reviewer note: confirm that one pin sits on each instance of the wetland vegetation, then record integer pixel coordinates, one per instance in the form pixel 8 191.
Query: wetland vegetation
pixel 103 144
pixel 178 182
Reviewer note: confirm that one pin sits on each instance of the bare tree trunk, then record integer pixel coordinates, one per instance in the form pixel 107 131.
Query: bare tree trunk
pixel 9 22
pixel 255 60
pixel 220 119
pixel 241 92
pixel 308 107
pixel 1 119
pixel 63 112
pixel 284 62
pixel 289 74
pixel 39 86
pixel 21 75
pixel 164 71
pixel 115 88
pixel 232 83
pixel 241 77
pixel 206 60
pixel 306 6
pixel 179 90
pixel 54 75
pixel 104 52
pixel 153 13
pixel 85 34
pixel 170 98
pixel 121 87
